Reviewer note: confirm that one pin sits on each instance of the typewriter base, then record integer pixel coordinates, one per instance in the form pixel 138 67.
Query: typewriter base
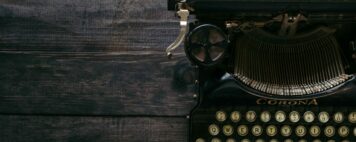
pixel 229 114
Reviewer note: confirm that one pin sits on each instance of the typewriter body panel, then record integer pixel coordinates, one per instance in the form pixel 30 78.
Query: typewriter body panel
pixel 272 71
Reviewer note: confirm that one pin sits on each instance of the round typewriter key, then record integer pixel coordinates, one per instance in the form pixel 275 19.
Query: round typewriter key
pixel 235 116
pixel 265 116
pixel 251 116
pixel 317 140
pixel 215 140
pixel 271 130
pixel 259 140
pixel 288 140
pixel 338 117
pixel 329 131
pixel 228 130
pixel 294 116
pixel 352 117
pixel 273 140
pixel 280 116
pixel 345 141
pixel 214 129
pixel 230 140
pixel 300 131
pixel 302 140
pixel 221 116
pixel 242 130
pixel 343 131
pixel 257 130
pixel 355 131
pixel 200 140
pixel 309 116
pixel 331 141
pixel 314 131
pixel 323 117
pixel 286 131
pixel 245 140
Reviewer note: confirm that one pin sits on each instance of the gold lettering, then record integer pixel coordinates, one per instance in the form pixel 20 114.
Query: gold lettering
pixel 272 102
pixel 292 103
pixel 262 101
pixel 283 102
pixel 303 102
pixel 313 102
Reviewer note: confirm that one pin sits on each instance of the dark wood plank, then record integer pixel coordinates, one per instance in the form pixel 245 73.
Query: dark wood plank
pixel 131 83
pixel 86 26
pixel 89 58
pixel 92 129
pixel 91 70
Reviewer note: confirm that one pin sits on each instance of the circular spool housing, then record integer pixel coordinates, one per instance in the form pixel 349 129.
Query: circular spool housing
pixel 206 45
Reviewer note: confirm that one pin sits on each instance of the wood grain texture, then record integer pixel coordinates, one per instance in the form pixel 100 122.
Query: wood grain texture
pixel 91 129
pixel 90 25
pixel 90 70
pixel 89 58
pixel 138 83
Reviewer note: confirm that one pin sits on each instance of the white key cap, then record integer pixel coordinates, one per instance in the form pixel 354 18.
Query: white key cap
pixel 230 140
pixel 200 140
pixel 286 131
pixel 352 117
pixel 309 116
pixel 329 131
pixel 294 116
pixel 301 131
pixel 324 117
pixel 235 116
pixel 314 131
pixel 242 130
pixel 280 116
pixel 221 116
pixel 265 116
pixel 343 131
pixel 251 116
pixel 228 130
pixel 257 130
pixel 338 117
pixel 271 130
pixel 214 130
pixel 215 140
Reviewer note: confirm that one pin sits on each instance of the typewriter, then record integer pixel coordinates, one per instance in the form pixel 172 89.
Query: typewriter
pixel 270 70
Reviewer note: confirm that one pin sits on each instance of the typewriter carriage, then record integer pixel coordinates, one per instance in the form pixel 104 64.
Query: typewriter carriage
pixel 291 32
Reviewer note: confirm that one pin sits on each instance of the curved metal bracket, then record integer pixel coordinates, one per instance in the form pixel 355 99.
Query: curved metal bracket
pixel 183 14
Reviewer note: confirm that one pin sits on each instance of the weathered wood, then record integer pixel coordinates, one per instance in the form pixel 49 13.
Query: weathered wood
pixel 92 70
pixel 132 83
pixel 82 26
pixel 91 129
pixel 76 58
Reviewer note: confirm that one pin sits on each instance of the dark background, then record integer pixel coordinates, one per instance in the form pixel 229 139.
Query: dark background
pixel 90 70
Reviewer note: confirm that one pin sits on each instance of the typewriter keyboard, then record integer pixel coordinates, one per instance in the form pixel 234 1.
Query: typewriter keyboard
pixel 258 125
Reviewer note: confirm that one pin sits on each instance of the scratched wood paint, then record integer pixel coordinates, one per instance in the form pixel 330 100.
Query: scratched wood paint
pixel 94 70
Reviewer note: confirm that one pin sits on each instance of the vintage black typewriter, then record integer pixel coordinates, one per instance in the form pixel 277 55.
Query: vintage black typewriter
pixel 271 70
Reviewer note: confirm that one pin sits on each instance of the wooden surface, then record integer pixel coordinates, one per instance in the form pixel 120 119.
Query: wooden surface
pixel 93 129
pixel 93 70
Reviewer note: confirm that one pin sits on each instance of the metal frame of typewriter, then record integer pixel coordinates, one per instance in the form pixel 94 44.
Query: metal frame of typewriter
pixel 225 93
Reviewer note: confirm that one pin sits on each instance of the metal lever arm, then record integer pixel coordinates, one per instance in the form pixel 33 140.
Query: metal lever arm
pixel 183 14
